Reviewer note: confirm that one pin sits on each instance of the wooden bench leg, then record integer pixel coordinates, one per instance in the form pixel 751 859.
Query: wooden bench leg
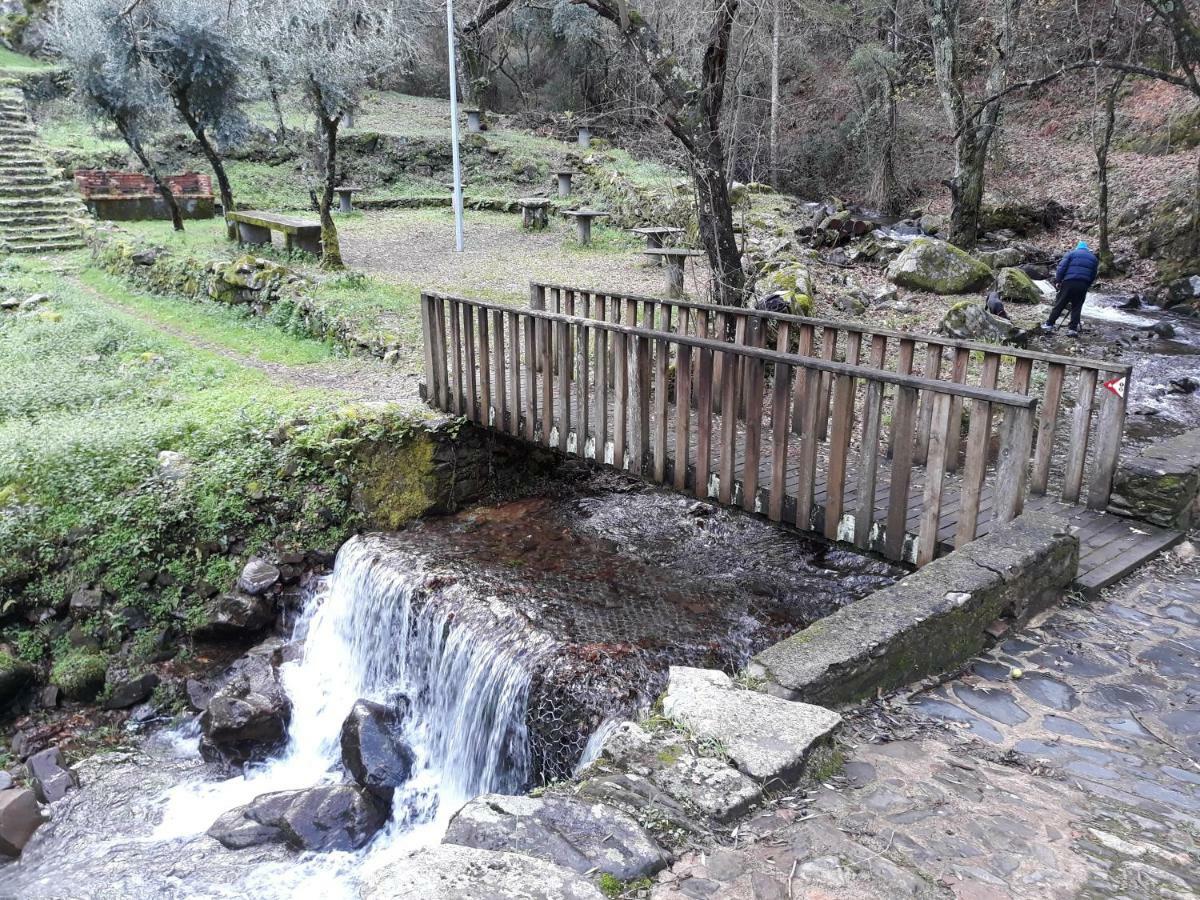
pixel 255 235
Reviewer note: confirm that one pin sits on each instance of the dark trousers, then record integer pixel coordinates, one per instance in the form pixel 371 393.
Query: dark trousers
pixel 1072 294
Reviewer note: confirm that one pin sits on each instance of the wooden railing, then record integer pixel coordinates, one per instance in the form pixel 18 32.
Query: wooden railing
pixel 1084 448
pixel 645 400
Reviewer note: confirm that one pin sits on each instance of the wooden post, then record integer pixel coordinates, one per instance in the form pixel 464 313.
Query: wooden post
pixel 641 395
pixel 514 350
pixel 829 339
pixel 582 378
pixel 807 462
pixel 903 419
pixel 683 411
pixel 472 407
pixel 935 475
pixel 456 399
pixel 602 382
pixel 564 384
pixel 839 446
pixel 427 340
pixel 958 375
pixel 662 352
pixel 1016 439
pixel 1047 426
pixel 1109 430
pixel 868 468
pixel 500 379
pixel 1080 425
pixel 933 371
pixel 754 398
pixel 621 365
pixel 485 370
pixel 728 427
pixel 806 379
pixel 704 415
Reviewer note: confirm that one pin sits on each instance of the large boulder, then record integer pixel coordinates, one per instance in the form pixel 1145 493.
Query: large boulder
pixel 573 833
pixel 20 817
pixel 1000 259
pixel 1161 484
pixel 247 718
pixel 931 265
pixel 1014 286
pixel 452 872
pixel 373 749
pixel 127 689
pixel 258 576
pixel 50 777
pixel 326 817
pixel 970 321
pixel 793 285
pixel 234 616
pixel 15 676
pixel 767 738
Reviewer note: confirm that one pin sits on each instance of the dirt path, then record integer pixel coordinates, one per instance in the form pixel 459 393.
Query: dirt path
pixel 359 378
pixel 1080 778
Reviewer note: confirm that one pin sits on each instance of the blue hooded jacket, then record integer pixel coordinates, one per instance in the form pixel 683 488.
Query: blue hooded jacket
pixel 1081 264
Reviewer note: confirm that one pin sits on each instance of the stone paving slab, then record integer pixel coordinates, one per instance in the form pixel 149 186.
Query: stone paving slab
pixel 1080 778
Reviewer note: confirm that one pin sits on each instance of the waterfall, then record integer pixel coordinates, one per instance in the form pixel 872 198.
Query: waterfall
pixel 377 631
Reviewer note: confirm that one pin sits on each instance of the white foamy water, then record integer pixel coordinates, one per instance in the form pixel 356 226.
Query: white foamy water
pixel 374 632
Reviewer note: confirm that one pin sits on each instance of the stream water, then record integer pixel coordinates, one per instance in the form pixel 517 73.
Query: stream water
pixel 518 634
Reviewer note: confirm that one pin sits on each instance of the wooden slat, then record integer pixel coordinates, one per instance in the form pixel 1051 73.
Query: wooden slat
pixel 1080 424
pixel 829 340
pixel 1047 426
pixel 485 370
pixel 958 375
pixel 546 356
pixel 839 446
pixel 754 396
pixel 621 365
pixel 499 361
pixel 457 399
pixel 641 442
pixel 780 432
pixel 720 333
pixel 978 438
pixel 1016 438
pixel 704 406
pixel 728 427
pixel 427 333
pixel 804 348
pixel 683 415
pixel 806 466
pixel 565 364
pixel 741 338
pixel 935 468
pixel 932 370
pixel 662 353
pixel 531 364
pixel 1022 375
pixel 868 461
pixel 602 405
pixel 584 389
pixel 472 405
pixel 1109 429
pixel 903 419
pixel 514 366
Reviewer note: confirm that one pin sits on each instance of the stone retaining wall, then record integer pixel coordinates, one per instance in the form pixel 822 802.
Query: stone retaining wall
pixel 1162 483
pixel 931 622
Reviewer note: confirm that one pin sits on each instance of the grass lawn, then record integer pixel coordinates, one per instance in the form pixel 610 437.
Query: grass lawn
pixel 21 63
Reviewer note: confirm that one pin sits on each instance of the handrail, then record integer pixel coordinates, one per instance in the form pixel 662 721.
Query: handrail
pixel 949 388
pixel 846 325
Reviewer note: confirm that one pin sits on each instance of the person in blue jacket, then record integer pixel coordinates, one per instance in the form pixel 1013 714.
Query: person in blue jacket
pixel 1076 273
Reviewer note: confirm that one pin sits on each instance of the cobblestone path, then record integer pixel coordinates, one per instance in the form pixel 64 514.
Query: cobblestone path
pixel 1080 778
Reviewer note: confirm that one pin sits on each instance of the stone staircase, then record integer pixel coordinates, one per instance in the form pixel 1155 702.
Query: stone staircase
pixel 35 211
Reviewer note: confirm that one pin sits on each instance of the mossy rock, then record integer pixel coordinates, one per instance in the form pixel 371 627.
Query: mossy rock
pixel 395 481
pixel 1014 286
pixel 15 676
pixel 793 282
pixel 932 265
pixel 80 674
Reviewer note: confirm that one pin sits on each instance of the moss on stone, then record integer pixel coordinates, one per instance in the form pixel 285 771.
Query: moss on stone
pixel 80 673
pixel 932 265
pixel 394 481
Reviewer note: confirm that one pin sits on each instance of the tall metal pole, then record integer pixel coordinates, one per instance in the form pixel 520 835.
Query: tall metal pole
pixel 458 191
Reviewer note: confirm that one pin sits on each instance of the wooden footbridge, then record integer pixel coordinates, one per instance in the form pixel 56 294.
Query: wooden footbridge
pixel 904 444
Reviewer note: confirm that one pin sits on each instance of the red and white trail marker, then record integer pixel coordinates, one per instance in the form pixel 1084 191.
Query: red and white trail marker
pixel 1117 386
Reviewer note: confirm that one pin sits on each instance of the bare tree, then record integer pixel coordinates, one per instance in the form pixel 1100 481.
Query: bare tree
pixel 92 38
pixel 691 110
pixel 972 132
pixel 331 49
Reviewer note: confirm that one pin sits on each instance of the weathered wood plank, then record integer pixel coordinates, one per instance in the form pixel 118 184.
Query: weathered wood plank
pixel 933 371
pixel 546 353
pixel 602 405
pixel 485 370
pixel 501 360
pixel 662 354
pixel 1080 425
pixel 457 401
pixel 935 478
pixel 584 388
pixel 804 348
pixel 978 437
pixel 1109 429
pixel 806 466
pixel 868 464
pixel 1047 426
pixel 728 427
pixel 704 415
pixel 780 432
pixel 903 447
pixel 839 446
pixel 514 365
pixel 829 339
pixel 565 363
pixel 1016 440
pixel 532 357
pixel 641 443
pixel 621 364
pixel 472 405
pixel 958 375
pixel 754 376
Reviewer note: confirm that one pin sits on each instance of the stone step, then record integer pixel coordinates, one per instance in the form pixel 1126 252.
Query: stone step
pixel 25 223
pixel 49 247
pixel 27 179
pixel 29 190
pixel 18 163
pixel 17 139
pixel 29 170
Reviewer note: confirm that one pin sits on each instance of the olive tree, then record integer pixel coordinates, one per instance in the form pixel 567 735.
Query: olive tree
pixel 330 50
pixel 92 39
pixel 191 49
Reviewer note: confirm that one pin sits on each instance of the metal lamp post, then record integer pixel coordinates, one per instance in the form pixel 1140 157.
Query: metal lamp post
pixel 458 191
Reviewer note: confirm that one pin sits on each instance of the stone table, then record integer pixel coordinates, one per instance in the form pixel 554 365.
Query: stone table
pixel 535 213
pixel 583 220
pixel 676 258
pixel 564 181
pixel 474 120
pixel 585 136
pixel 345 194
pixel 656 237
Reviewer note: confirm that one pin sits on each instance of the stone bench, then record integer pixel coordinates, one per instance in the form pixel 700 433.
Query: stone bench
pixel 255 227
pixel 535 213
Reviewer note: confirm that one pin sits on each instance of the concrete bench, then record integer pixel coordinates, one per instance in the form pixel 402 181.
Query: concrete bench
pixel 583 220
pixel 255 228
pixel 535 213
pixel 656 237
pixel 676 258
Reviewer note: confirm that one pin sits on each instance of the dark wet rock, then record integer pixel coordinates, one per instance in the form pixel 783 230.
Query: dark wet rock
pixel 1162 329
pixel 231 616
pixel 6 780
pixel 199 693
pixel 20 817
pixel 373 749
pixel 944 709
pixel 1184 385
pixel 51 780
pixel 1049 691
pixel 327 817
pixel 1162 483
pixel 247 718
pixel 573 833
pixel 453 872
pixel 996 704
pixel 128 690
pixel 258 577
pixel 86 600
pixel 971 321
pixel 15 676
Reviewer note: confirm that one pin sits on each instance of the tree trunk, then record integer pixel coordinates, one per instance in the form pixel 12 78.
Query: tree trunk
pixel 331 249
pixel 773 149
pixel 966 191
pixel 715 214
pixel 1104 251
pixel 139 151
pixel 214 160
pixel 273 90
